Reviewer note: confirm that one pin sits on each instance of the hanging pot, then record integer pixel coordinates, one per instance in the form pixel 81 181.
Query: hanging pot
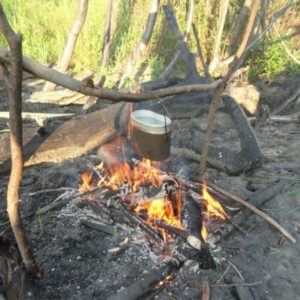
pixel 151 134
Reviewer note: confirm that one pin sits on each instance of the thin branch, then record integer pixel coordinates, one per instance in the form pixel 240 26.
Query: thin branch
pixel 255 210
pixel 287 50
pixel 107 35
pixel 189 22
pixel 143 43
pixel 200 53
pixel 238 25
pixel 230 285
pixel 254 41
pixel 221 22
pixel 189 59
pixel 71 41
pixel 68 82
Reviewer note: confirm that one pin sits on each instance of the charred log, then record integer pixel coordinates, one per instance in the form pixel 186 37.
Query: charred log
pixel 224 159
pixel 148 281
pixel 192 221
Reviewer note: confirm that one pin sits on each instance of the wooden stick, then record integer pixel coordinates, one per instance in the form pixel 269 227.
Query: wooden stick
pixel 168 70
pixel 205 290
pixel 214 103
pixel 114 95
pixel 65 59
pixel 14 83
pixel 37 116
pixel 147 281
pixel 257 211
pixel 230 285
pixel 52 190
pixel 142 44
pixel 108 229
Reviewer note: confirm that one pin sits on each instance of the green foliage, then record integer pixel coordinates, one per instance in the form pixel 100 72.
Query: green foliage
pixel 45 25
pixel 267 60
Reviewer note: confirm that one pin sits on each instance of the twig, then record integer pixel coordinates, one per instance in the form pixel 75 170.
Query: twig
pixel 236 269
pixel 60 200
pixel 257 211
pixel 200 53
pixel 290 99
pixel 224 273
pixel 292 118
pixel 236 284
pixel 51 190
pixel 221 22
pixel 205 290
pixel 106 39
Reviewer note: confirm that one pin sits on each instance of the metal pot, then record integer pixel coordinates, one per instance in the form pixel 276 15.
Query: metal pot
pixel 151 134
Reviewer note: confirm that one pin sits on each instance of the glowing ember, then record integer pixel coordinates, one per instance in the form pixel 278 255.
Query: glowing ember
pixel 213 207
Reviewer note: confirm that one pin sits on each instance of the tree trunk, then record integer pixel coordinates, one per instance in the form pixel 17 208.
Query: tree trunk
pixel 71 42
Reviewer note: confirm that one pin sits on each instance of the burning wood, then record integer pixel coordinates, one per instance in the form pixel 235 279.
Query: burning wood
pixel 144 192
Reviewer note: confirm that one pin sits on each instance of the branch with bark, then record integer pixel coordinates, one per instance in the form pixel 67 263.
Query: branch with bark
pixel 13 80
pixel 71 41
pixel 142 44
pixel 68 82
pixel 189 22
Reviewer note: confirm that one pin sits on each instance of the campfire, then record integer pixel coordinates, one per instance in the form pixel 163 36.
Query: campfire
pixel 154 196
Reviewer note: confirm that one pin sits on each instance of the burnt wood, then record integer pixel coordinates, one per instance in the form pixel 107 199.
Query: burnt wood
pixel 147 281
pixel 192 221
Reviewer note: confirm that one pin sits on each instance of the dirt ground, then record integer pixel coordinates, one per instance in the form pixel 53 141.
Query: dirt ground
pixel 257 265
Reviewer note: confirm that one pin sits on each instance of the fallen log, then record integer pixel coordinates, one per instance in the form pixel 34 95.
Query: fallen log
pixel 73 138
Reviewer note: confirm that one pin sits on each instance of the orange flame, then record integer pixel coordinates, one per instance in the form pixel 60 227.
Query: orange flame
pixel 161 209
pixel 204 232
pixel 86 182
pixel 213 207
pixel 118 173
